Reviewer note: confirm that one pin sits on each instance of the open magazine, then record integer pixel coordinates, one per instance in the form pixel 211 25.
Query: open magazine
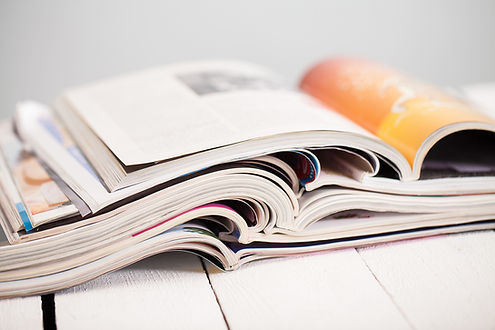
pixel 222 160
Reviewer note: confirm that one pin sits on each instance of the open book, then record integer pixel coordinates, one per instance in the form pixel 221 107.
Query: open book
pixel 221 159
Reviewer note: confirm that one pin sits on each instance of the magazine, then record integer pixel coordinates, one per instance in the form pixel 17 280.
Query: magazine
pixel 221 159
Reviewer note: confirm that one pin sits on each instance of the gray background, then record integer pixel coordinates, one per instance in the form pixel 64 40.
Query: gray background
pixel 48 45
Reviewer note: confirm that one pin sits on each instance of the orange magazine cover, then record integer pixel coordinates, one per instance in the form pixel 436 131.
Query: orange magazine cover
pixel 396 108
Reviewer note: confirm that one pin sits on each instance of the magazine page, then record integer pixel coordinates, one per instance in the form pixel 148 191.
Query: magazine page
pixel 172 111
pixel 41 199
pixel 399 110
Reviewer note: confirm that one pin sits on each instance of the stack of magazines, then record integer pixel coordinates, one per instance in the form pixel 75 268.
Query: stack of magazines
pixel 220 159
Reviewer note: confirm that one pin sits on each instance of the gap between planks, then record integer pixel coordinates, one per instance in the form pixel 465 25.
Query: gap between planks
pixel 439 282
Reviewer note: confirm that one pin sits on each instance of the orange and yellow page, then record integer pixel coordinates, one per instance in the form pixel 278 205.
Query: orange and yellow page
pixel 399 110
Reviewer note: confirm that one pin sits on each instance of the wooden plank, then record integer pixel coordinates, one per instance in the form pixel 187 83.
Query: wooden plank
pixel 327 290
pixel 170 291
pixel 21 313
pixel 444 282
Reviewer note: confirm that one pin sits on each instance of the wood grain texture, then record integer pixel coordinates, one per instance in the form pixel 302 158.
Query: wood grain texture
pixel 167 291
pixel 21 313
pixel 326 290
pixel 444 282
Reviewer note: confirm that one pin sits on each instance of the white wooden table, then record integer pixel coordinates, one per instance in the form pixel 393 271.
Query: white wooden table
pixel 442 282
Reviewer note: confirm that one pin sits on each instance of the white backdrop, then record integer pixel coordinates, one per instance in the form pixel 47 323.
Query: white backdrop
pixel 48 45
